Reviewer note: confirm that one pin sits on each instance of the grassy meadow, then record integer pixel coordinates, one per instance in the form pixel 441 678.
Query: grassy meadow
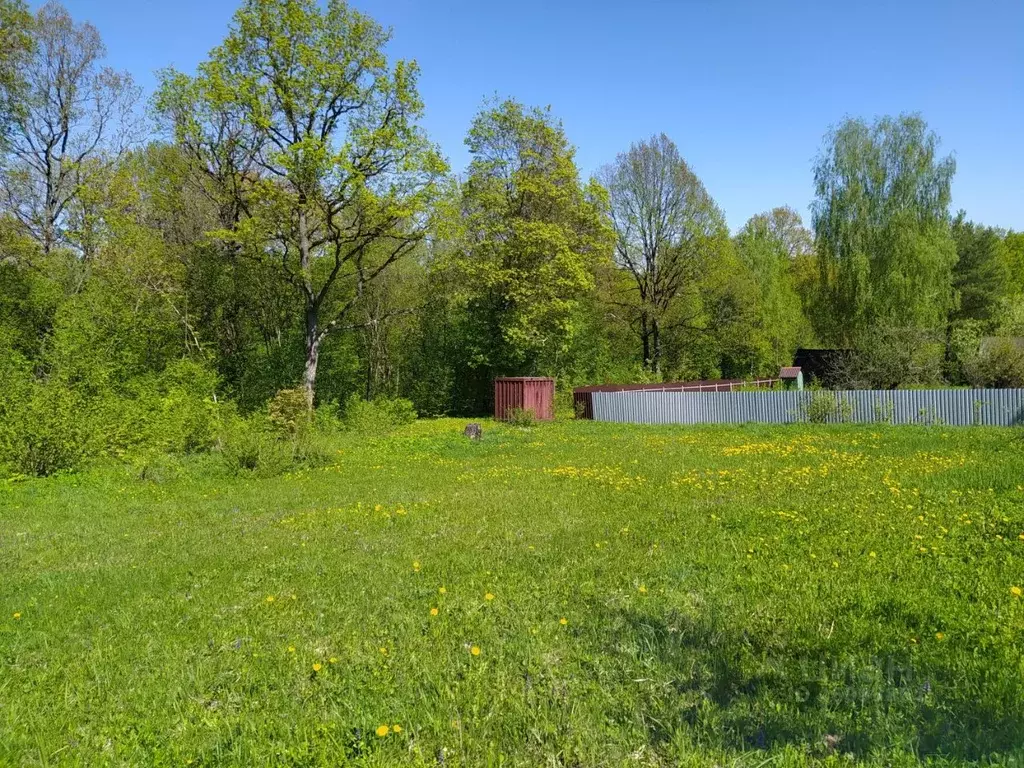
pixel 571 594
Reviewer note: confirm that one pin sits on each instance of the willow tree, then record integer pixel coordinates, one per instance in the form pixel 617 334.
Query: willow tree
pixel 338 176
pixel 881 221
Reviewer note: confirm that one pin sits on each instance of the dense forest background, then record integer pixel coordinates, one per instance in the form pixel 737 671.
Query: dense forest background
pixel 276 232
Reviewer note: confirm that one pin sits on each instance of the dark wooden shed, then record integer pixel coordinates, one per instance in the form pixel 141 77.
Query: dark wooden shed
pixel 529 393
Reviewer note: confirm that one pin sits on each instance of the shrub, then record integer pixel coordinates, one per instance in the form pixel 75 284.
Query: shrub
pixel 825 406
pixel 520 417
pixel 821 407
pixel 51 425
pixel 381 414
pixel 997 364
pixel 289 410
pixel 257 445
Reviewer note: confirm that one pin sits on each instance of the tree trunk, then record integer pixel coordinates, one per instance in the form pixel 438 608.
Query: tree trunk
pixel 312 354
pixel 656 343
pixel 313 337
pixel 645 339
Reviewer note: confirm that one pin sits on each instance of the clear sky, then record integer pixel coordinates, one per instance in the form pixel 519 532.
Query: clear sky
pixel 745 89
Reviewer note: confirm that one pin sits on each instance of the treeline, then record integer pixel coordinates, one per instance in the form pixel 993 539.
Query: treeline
pixel 279 221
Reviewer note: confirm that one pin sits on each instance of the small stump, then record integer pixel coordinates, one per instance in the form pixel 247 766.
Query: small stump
pixel 473 432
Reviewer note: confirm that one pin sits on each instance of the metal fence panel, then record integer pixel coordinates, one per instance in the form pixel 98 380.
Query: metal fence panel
pixel 954 407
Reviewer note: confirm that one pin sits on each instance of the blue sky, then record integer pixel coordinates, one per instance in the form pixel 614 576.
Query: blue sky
pixel 745 89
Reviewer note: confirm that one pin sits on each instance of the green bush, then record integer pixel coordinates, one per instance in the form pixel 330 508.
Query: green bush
pixel 382 414
pixel 520 417
pixel 998 364
pixel 825 406
pixel 259 446
pixel 48 425
pixel 289 410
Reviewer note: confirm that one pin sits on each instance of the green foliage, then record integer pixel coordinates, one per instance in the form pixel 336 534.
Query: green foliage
pixel 768 245
pixel 520 417
pixel 997 363
pixel 981 276
pixel 890 357
pixel 288 411
pixel 334 175
pixel 881 219
pixel 47 426
pixel 528 241
pixel 825 406
pixel 670 240
pixel 377 416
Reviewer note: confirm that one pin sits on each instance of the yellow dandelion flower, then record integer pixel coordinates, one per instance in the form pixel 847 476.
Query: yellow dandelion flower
pixel 488 596
pixel 270 598
pixel 382 730
pixel 377 508
pixel 291 649
pixel 396 728
pixel 17 615
pixel 383 651
pixel 872 554
pixel 333 660
pixel 642 589
pixel 442 590
pixel 415 565
pixel 475 650
pixel 563 621
pixel 1016 591
pixel 433 611
pixel 317 667
pixel 940 636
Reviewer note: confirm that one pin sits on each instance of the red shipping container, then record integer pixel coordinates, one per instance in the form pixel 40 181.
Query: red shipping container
pixel 530 393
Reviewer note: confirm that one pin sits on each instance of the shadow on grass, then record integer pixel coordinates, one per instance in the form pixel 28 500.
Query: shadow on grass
pixel 724 687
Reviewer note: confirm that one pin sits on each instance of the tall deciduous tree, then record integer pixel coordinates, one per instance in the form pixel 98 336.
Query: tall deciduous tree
pixel 981 276
pixel 770 244
pixel 341 176
pixel 531 237
pixel 881 220
pixel 15 48
pixel 74 113
pixel 667 226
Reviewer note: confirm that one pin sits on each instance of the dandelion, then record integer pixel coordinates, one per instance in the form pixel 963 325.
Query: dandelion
pixel 872 554
pixel 433 611
pixel 563 621
pixel 383 651
pixel 333 660
pixel 416 565
pixel 442 590
pixel 317 667
pixel 396 728
pixel 382 730
pixel 270 598
pixel 475 650
pixel 1016 591
pixel 642 589
pixel 17 615
pixel 291 649
pixel 940 636
pixel 488 596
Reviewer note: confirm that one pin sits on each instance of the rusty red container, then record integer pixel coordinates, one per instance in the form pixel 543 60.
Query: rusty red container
pixel 530 393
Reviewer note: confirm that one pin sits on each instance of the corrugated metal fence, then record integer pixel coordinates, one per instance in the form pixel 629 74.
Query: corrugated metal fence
pixel 956 407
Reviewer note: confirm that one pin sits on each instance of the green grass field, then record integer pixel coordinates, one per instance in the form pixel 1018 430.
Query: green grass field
pixel 573 594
